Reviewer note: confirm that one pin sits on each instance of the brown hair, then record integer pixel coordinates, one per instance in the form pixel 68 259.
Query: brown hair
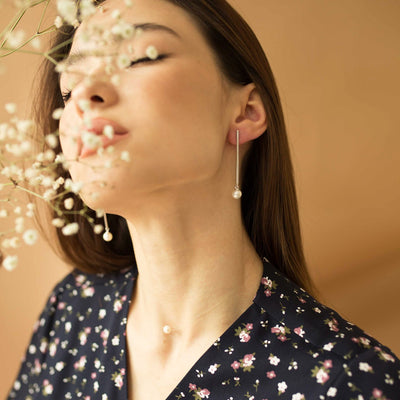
pixel 269 203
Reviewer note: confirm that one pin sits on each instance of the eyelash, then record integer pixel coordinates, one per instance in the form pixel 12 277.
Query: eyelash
pixel 67 94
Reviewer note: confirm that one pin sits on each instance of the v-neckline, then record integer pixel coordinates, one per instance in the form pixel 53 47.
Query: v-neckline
pixel 227 333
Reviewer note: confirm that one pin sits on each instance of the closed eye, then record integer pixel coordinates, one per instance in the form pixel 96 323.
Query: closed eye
pixel 67 94
pixel 147 59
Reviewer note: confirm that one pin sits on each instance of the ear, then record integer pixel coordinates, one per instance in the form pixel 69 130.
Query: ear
pixel 250 118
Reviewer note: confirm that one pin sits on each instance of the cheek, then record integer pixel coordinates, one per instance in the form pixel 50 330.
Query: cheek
pixel 68 134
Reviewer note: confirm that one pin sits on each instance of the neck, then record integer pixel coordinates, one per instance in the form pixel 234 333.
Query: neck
pixel 197 272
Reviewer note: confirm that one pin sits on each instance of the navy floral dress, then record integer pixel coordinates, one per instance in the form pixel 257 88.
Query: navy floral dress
pixel 286 345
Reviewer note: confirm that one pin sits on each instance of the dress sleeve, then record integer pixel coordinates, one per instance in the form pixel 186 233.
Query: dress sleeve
pixel 30 377
pixel 374 374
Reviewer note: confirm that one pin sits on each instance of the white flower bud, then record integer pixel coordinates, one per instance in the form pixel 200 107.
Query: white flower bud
pixel 52 140
pixel 57 113
pixel 3 213
pixel 58 222
pixel 116 14
pixel 25 126
pixel 108 131
pixel 125 156
pixel 15 38
pixel 91 140
pixel 10 263
pixel 58 22
pixel 98 229
pixel 69 203
pixel 70 229
pixel 99 213
pixel 74 187
pixel 30 237
pixel 152 52
pixel 123 61
pixel 68 10
pixel 36 43
pixel 11 108
pixel 14 242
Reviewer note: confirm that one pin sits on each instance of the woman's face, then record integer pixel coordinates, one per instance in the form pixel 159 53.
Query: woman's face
pixel 171 114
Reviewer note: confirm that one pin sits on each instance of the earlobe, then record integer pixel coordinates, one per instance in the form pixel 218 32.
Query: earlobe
pixel 252 119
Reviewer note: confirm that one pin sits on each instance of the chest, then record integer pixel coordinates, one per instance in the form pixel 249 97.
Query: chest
pixel 153 372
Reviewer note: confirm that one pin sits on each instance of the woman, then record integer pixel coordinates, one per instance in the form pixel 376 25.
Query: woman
pixel 202 292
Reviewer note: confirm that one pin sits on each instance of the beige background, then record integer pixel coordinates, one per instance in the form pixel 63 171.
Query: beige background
pixel 337 67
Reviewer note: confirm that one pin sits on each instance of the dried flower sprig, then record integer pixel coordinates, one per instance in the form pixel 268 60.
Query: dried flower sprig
pixel 22 170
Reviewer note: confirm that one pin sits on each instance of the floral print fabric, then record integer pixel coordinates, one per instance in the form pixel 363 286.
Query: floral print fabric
pixel 286 345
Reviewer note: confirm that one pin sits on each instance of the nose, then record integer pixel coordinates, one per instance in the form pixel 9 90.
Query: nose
pixel 94 93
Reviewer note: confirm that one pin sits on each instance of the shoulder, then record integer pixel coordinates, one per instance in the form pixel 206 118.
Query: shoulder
pixel 328 341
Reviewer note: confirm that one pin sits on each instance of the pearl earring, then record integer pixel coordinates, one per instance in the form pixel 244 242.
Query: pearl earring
pixel 237 194
pixel 107 235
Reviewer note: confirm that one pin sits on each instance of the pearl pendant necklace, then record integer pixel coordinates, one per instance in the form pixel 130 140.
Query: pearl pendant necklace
pixel 167 329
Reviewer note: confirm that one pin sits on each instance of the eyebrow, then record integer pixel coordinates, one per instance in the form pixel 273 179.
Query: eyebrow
pixel 145 27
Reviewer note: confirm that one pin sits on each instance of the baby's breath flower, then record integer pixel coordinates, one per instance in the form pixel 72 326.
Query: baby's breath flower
pixel 69 203
pixel 17 210
pixel 58 222
pixel 47 181
pixel 70 229
pixel 40 157
pixel 30 237
pixel 61 67
pixel 108 131
pixel 57 113
pixel 128 3
pixel 30 214
pixel 91 140
pixel 5 244
pixel 152 52
pixel 87 8
pixel 116 14
pixel 36 43
pixel 74 187
pixel 99 213
pixel 52 140
pixel 3 214
pixel 58 182
pixel 10 263
pixel 98 229
pixel 49 194
pixel 14 242
pixel 84 104
pixel 11 108
pixel 49 155
pixel 125 156
pixel 115 80
pixel 15 38
pixel 19 224
pixel 68 10
pixel 58 22
pixel 123 61
pixel 123 30
pixel 30 173
pixel 25 126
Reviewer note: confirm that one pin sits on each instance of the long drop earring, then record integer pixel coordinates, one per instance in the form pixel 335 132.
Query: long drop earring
pixel 237 194
pixel 107 235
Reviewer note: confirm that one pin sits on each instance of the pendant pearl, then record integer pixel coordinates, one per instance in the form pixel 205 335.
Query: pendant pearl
pixel 237 194
pixel 167 329
pixel 107 236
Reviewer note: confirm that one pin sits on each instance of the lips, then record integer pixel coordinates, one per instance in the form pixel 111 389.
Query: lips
pixel 97 127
